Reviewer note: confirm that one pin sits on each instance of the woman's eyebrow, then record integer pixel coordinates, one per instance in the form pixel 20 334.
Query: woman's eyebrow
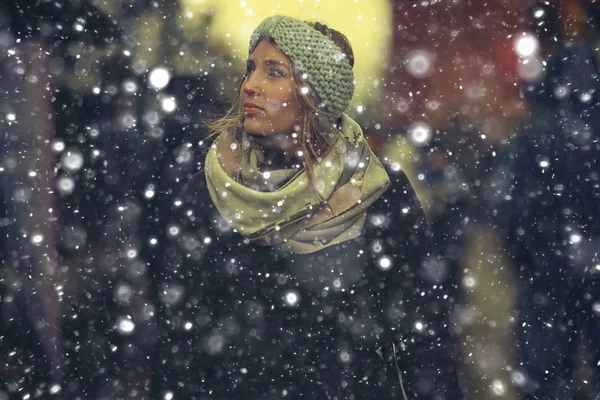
pixel 276 62
pixel 269 62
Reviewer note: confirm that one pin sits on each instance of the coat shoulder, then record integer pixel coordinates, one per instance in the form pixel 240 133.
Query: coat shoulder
pixel 195 186
pixel 400 199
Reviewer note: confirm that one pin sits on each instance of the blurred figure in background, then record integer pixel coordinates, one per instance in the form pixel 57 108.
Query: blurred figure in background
pixel 30 282
pixel 452 102
pixel 127 124
pixel 547 206
pixel 30 337
pixel 98 137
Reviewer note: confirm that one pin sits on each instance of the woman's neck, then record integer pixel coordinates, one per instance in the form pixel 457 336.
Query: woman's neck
pixel 278 151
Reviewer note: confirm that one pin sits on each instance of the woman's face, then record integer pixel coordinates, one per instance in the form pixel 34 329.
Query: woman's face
pixel 269 102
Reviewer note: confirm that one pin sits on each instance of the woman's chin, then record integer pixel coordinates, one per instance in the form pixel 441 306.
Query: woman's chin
pixel 252 128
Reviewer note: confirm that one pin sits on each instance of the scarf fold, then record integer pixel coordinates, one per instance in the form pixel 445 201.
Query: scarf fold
pixel 282 209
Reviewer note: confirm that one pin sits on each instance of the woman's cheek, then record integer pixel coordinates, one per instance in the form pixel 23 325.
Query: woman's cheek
pixel 274 106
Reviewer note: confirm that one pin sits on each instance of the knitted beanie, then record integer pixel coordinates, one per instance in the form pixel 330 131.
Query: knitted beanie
pixel 321 62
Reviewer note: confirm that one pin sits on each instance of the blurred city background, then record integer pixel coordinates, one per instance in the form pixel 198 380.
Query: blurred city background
pixel 102 109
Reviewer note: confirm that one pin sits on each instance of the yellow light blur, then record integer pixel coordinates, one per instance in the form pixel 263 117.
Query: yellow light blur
pixel 367 24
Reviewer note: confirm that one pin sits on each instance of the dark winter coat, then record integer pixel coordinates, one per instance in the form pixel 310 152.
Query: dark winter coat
pixel 244 321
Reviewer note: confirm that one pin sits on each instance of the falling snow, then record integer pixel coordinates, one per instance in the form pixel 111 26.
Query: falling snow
pixel 120 279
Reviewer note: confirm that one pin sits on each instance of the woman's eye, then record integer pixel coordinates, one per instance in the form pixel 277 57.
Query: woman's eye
pixel 249 69
pixel 275 71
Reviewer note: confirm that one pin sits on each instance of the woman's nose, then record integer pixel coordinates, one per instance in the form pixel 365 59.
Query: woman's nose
pixel 250 87
pixel 249 91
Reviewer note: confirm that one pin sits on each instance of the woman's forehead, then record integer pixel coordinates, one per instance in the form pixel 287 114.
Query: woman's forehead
pixel 266 51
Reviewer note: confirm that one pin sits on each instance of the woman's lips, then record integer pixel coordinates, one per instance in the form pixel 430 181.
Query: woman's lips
pixel 250 108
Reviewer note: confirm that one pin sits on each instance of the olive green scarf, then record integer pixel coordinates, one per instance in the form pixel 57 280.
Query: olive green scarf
pixel 281 208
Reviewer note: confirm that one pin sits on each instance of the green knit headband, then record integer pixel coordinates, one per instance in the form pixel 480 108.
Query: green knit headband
pixel 323 65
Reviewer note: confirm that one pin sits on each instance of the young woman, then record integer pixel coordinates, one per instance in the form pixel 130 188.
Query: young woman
pixel 297 267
